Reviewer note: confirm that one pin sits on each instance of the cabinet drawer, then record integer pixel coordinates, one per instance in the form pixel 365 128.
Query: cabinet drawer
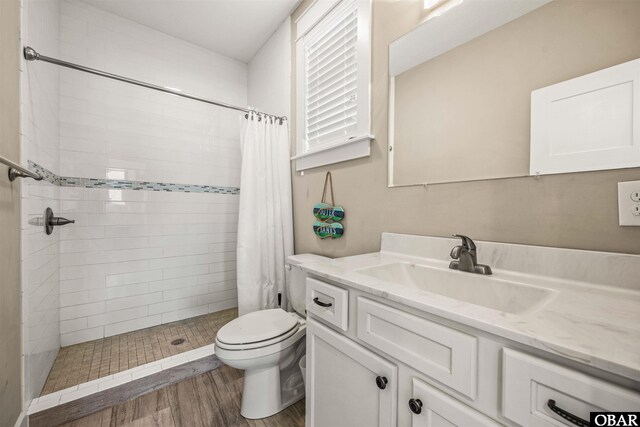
pixel 328 303
pixel 445 354
pixel 438 409
pixel 529 383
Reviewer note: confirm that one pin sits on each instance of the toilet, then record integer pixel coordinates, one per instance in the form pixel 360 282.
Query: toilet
pixel 268 346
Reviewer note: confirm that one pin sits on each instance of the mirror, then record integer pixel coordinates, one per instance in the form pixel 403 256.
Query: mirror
pixel 460 83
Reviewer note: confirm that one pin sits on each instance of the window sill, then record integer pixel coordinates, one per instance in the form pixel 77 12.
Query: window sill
pixel 341 152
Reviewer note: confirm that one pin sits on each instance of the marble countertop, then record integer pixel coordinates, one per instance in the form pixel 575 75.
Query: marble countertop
pixel 593 324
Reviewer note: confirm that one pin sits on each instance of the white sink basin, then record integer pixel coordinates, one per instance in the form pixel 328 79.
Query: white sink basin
pixel 487 291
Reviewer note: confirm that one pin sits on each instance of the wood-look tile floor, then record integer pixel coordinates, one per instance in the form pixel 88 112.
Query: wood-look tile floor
pixel 211 399
pixel 91 360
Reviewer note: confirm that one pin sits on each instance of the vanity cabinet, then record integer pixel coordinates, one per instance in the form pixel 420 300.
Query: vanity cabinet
pixel 373 362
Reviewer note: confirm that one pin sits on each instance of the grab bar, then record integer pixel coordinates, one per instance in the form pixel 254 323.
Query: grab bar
pixel 17 171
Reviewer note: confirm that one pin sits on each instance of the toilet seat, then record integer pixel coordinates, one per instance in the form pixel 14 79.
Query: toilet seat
pixel 258 329
pixel 231 353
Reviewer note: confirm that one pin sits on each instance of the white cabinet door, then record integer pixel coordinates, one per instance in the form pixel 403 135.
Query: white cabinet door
pixel 433 408
pixel 342 383
pixel 587 123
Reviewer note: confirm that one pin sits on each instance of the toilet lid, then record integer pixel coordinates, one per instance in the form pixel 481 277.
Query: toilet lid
pixel 258 326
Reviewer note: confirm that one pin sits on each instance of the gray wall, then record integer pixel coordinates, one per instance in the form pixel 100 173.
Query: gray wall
pixel 571 210
pixel 10 350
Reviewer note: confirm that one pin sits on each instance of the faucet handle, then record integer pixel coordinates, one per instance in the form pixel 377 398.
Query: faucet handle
pixel 455 252
pixel 466 242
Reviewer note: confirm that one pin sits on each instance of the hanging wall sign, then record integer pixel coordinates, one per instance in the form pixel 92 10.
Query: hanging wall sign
pixel 324 211
pixel 328 215
pixel 324 229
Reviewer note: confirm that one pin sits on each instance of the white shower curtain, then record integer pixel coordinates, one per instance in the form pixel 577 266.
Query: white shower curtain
pixel 265 223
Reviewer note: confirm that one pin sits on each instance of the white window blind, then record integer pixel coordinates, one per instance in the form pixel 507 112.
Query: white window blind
pixel 333 83
pixel 331 78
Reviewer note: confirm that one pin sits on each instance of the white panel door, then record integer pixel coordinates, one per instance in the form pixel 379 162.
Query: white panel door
pixel 432 408
pixel 591 122
pixel 342 383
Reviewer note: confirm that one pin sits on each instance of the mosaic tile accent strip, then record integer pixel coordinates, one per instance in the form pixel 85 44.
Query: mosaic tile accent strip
pixel 66 181
pixel 44 172
pixel 144 185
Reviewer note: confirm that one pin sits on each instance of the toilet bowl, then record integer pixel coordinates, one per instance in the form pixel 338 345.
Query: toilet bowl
pixel 268 346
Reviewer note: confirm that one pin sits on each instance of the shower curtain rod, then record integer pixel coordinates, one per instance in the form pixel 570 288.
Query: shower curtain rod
pixel 31 55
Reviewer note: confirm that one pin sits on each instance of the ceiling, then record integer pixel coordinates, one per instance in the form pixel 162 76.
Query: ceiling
pixel 234 28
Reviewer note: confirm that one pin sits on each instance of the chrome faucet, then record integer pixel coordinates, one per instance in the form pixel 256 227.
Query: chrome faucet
pixel 465 257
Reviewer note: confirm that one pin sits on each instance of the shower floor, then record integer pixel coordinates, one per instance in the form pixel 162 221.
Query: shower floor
pixel 91 360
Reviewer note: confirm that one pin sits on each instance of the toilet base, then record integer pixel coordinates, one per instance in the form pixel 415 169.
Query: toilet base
pixel 261 394
pixel 272 376
pixel 269 390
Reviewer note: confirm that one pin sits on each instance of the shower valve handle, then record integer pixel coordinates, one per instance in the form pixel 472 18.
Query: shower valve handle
pixel 51 221
pixel 57 221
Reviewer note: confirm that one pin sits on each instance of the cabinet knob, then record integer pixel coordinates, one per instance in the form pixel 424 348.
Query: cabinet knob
pixel 381 382
pixel 415 405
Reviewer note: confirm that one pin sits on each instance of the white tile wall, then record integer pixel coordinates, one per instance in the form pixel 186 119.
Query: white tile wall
pixel 156 269
pixel 40 143
pixel 109 129
pixel 135 259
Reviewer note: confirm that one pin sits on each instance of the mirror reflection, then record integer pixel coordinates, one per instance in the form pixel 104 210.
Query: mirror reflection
pixel 461 111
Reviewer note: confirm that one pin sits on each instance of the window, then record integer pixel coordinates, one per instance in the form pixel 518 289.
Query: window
pixel 333 65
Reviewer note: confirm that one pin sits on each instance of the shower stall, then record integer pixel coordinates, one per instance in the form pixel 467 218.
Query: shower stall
pixel 146 168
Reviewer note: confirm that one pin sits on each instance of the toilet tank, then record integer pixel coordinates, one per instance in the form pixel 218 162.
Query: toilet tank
pixel 296 279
